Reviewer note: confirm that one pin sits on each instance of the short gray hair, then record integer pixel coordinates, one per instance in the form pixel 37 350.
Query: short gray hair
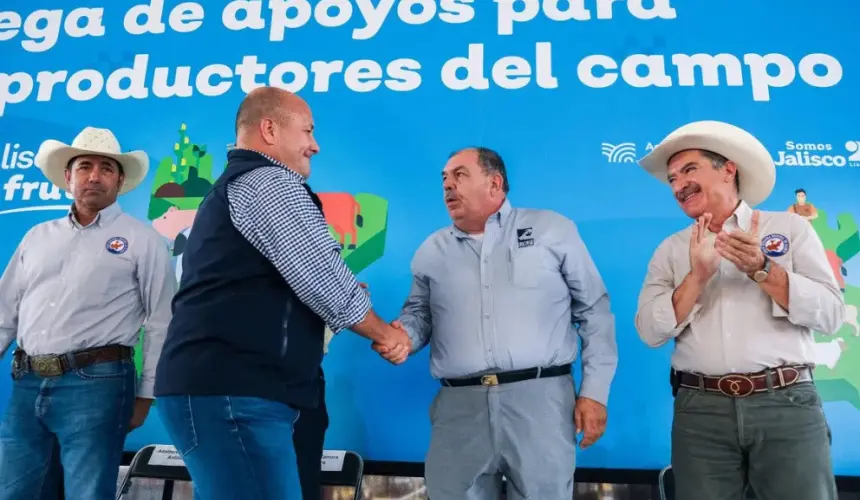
pixel 719 161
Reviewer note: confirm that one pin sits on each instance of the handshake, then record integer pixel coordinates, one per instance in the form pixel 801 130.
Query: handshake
pixel 393 343
pixel 389 340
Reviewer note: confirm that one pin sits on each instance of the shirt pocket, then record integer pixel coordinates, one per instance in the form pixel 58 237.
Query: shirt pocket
pixel 113 275
pixel 530 267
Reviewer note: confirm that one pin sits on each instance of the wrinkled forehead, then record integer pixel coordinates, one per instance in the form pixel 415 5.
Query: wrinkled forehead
pixel 682 160
pixel 465 160
pixel 94 160
pixel 300 117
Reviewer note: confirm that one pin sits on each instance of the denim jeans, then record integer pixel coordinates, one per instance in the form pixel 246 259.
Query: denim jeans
pixel 309 439
pixel 235 448
pixel 87 411
pixel 776 443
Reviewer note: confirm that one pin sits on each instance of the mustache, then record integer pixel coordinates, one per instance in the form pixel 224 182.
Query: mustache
pixel 450 195
pixel 687 191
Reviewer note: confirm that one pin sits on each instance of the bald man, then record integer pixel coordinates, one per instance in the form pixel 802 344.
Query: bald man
pixel 262 277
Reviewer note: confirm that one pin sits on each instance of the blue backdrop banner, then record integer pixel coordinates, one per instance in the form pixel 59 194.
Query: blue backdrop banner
pixel 570 93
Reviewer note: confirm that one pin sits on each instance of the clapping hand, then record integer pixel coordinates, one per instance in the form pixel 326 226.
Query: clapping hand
pixel 742 248
pixel 396 346
pixel 704 258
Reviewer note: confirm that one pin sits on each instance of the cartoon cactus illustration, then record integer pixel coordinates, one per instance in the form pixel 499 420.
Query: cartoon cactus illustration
pixel 179 169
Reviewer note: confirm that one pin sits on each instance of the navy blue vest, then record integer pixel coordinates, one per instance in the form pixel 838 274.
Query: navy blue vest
pixel 238 329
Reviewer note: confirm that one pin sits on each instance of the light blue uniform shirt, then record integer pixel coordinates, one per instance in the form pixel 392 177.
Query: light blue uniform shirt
pixel 510 301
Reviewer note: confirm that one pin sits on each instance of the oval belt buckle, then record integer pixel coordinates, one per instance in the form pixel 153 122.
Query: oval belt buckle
pixel 736 386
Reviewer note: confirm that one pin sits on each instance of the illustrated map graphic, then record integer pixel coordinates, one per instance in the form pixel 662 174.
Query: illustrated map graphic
pixel 358 222
pixel 838 373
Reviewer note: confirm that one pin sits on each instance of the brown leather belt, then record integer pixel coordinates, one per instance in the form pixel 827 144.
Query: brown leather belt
pixel 739 385
pixel 54 365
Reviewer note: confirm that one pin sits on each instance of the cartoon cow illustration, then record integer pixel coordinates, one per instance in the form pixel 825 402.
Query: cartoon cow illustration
pixel 343 213
pixel 173 222
pixel 175 225
pixel 849 311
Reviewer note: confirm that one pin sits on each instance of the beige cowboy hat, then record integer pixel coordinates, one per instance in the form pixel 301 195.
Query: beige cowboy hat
pixel 54 156
pixel 756 171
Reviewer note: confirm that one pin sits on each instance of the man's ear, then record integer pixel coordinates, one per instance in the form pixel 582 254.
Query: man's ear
pixel 497 182
pixel 120 181
pixel 267 130
pixel 731 171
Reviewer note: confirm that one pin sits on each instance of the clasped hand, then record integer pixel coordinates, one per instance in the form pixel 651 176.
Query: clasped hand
pixel 742 248
pixel 396 346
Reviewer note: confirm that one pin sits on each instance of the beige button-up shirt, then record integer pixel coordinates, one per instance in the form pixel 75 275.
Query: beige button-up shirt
pixel 735 327
pixel 69 287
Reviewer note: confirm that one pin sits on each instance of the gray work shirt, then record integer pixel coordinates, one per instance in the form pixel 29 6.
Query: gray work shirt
pixel 69 287
pixel 508 300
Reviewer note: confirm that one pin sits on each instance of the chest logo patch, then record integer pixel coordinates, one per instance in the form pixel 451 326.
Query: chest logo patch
pixel 117 245
pixel 525 237
pixel 774 245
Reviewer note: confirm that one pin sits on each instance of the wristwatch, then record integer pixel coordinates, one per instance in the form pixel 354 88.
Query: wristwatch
pixel 761 274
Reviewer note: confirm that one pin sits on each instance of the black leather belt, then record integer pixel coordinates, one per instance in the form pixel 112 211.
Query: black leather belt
pixel 499 378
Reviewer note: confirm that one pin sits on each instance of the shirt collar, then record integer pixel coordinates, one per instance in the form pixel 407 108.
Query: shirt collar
pixel 743 216
pixel 292 174
pixel 499 217
pixel 104 217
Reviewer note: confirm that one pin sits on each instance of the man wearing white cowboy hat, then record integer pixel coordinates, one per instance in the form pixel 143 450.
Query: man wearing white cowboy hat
pixel 740 291
pixel 74 296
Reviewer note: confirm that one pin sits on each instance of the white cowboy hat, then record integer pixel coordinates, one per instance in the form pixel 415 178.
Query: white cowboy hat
pixel 54 156
pixel 756 171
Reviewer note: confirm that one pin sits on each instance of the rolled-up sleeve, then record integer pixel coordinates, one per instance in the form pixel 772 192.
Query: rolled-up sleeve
pixel 814 298
pixel 278 216
pixel 655 315
pixel 590 307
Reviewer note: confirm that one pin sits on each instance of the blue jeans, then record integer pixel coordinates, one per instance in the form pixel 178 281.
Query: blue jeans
pixel 235 448
pixel 309 439
pixel 87 411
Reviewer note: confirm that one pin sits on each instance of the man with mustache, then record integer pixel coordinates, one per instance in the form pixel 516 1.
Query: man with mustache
pixel 500 296
pixel 740 292
pixel 74 295
pixel 262 277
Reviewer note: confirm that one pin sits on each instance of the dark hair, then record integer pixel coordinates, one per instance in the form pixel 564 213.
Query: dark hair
pixel 119 168
pixel 719 161
pixel 490 162
pixel 798 191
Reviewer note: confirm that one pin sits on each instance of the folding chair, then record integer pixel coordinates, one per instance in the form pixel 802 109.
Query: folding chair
pixel 666 483
pixel 342 471
pixel 161 468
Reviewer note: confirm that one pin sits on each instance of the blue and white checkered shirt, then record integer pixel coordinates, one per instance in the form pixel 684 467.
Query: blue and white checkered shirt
pixel 272 208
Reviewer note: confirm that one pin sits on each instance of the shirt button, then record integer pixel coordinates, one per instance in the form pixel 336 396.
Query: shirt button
pixel 486 316
pixel 52 304
pixel 486 286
